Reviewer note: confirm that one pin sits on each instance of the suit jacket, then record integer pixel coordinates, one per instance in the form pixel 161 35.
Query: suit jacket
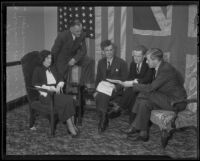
pixel 166 82
pixel 65 48
pixel 118 70
pixel 144 76
pixel 39 76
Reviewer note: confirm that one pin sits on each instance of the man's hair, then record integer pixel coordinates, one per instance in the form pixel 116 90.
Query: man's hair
pixel 75 22
pixel 155 53
pixel 141 48
pixel 106 43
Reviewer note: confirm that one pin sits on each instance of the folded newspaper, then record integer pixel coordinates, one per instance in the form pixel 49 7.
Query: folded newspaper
pixel 105 87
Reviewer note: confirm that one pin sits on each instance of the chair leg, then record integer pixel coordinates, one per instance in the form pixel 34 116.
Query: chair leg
pixel 164 138
pixel 52 125
pixel 52 128
pixel 32 118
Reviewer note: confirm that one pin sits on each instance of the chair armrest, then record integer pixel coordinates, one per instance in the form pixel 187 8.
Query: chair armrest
pixel 178 108
pixel 42 90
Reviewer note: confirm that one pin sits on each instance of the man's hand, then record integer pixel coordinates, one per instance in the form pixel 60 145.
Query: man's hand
pixel 72 62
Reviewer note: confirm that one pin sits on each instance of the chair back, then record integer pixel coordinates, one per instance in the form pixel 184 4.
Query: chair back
pixel 29 62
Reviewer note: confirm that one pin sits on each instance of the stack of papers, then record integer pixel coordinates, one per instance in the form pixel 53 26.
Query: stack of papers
pixel 105 87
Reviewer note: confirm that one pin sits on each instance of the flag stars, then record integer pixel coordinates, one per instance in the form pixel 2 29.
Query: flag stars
pixel 83 14
pixel 86 15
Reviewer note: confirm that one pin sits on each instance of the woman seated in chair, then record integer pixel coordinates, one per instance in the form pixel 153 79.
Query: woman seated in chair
pixel 46 77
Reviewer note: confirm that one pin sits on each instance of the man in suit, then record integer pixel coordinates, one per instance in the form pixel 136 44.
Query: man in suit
pixel 164 89
pixel 111 67
pixel 140 73
pixel 69 49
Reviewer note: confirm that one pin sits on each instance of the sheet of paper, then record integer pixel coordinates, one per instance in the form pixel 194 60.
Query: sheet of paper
pixel 105 87
pixel 128 83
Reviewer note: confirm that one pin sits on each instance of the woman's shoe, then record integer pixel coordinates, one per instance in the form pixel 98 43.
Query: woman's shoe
pixel 72 135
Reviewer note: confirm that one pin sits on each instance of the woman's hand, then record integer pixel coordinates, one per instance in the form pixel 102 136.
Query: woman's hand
pixel 95 94
pixel 59 87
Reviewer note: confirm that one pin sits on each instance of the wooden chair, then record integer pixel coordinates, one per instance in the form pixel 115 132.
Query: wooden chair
pixel 29 62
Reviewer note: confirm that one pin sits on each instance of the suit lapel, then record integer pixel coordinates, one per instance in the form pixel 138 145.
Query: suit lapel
pixel 113 65
pixel 143 67
pixel 104 67
pixel 160 68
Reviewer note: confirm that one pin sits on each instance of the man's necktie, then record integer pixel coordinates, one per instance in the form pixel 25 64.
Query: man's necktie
pixel 108 69
pixel 108 66
pixel 138 68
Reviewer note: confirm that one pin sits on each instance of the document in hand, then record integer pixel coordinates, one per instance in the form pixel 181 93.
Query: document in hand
pixel 105 87
pixel 125 83
pixel 114 81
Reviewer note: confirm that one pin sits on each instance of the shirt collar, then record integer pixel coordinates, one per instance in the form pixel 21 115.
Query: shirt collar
pixel 110 60
pixel 73 36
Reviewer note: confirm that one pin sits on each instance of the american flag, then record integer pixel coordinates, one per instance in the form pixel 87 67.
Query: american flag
pixel 85 14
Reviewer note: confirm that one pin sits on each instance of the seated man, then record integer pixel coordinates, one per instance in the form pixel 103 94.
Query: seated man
pixel 108 67
pixel 140 73
pixel 164 89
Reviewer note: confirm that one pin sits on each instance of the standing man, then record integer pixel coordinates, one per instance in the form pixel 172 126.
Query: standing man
pixel 164 89
pixel 140 73
pixel 69 49
pixel 111 67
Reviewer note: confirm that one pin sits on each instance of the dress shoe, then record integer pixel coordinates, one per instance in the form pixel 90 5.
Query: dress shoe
pixel 73 135
pixel 130 130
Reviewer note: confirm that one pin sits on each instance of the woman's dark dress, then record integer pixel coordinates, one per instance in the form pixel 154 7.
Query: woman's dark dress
pixel 64 104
